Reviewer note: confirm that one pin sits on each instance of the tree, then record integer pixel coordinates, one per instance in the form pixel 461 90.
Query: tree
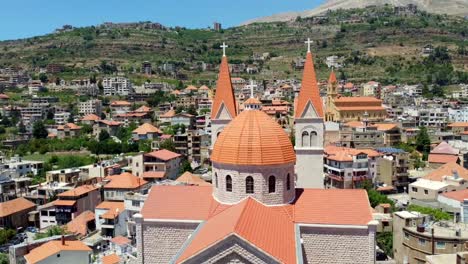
pixel 385 242
pixel 4 259
pixel 43 77
pixel 86 129
pixel 21 127
pixel 423 142
pixel 185 167
pixel 167 144
pixel 103 136
pixel 39 130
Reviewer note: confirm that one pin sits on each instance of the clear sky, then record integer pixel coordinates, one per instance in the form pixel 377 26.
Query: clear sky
pixel 26 18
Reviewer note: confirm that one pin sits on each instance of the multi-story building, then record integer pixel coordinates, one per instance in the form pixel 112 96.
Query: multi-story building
pixel 146 68
pixel 93 106
pixel 17 167
pixel 120 107
pixel 194 144
pixel 117 86
pixel 70 175
pixel 157 165
pixel 111 219
pixel 347 168
pixel 361 135
pixel 61 118
pixel 14 213
pixel 72 203
pixel 133 204
pixel 116 186
pixel 392 168
pixel 46 215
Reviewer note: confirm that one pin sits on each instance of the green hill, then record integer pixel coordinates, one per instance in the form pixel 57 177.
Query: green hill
pixel 373 42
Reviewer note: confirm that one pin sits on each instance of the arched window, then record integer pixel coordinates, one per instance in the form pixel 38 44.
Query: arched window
pixel 313 138
pixel 305 139
pixel 228 184
pixel 271 184
pixel 288 182
pixel 216 180
pixel 249 185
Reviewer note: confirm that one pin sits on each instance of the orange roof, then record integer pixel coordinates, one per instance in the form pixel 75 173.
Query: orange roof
pixel 121 240
pixel 64 202
pixel 384 127
pixel 347 154
pixel 252 101
pixel 147 128
pixel 457 195
pixel 332 78
pixel 224 92
pixel 349 85
pixel 311 206
pixel 252 221
pixel 203 87
pixel 176 92
pixel 445 148
pixel 79 225
pixel 90 117
pixel 154 174
pixel 110 122
pixel 168 114
pixel 143 108
pixel 190 179
pixel 15 206
pixel 442 158
pixel 363 99
pixel 111 259
pixel 78 191
pixel 360 108
pixel 191 88
pixel 447 170
pixel 120 103
pixel 309 90
pixel 355 124
pixel 253 138
pixel 124 181
pixel 69 125
pixel 163 154
pixel 52 248
pixel 458 124
pixel 113 209
pixel 4 96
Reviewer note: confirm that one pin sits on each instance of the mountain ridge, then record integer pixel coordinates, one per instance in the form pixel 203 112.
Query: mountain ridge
pixel 449 7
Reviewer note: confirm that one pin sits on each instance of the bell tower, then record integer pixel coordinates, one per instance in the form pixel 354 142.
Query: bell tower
pixel 332 93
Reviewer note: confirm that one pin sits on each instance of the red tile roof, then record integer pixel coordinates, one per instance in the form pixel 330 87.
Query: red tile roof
pixel 442 158
pixel 113 209
pixel 78 191
pixel 4 96
pixel 190 179
pixel 64 202
pixel 458 124
pixel 124 181
pixel 146 128
pixel 168 114
pixel 90 117
pixel 224 92
pixel 363 99
pixel 111 259
pixel 385 126
pixel 110 122
pixel 445 148
pixel 253 222
pixel 309 90
pixel 70 126
pixel 347 154
pixel 253 138
pixel 79 225
pixel 14 206
pixel 360 108
pixel 54 247
pixel 154 174
pixel 457 195
pixel 120 240
pixel 447 170
pixel 163 154
pixel 120 103
pixel 332 78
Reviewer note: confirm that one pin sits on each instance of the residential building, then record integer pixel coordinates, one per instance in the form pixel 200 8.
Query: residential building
pixel 392 169
pixel 120 107
pixel 46 215
pixel 60 251
pixel 92 106
pixel 133 204
pixel 146 132
pixel 17 167
pixel 443 154
pixel 111 219
pixel 72 203
pixel 116 186
pixel 194 144
pixel 71 175
pixel 82 225
pixel 14 213
pixel 358 134
pixel 109 126
pixel 347 168
pixel 69 130
pixel 117 86
pixel 146 68
pixel 157 165
pixel 61 118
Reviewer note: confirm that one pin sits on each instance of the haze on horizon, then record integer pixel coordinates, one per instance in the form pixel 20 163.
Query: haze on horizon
pixel 28 18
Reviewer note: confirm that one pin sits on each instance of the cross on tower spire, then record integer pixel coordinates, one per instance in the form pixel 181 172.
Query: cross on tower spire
pixel 308 42
pixel 224 46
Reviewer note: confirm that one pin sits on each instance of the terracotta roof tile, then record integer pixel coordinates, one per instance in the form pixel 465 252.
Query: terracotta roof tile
pixel 78 191
pixel 384 126
pixel 224 92
pixel 309 90
pixel 70 126
pixel 254 101
pixel 124 181
pixel 143 109
pixel 90 117
pixel 111 259
pixel 457 195
pixel 366 99
pixel 442 158
pixel 332 78
pixel 154 174
pixel 120 103
pixel 445 148
pixel 110 122
pixel 253 138
pixel 458 124
pixel 168 114
pixel 447 170
pixel 347 154
pixel 79 225
pixel 190 179
pixel 360 108
pixel 14 206
pixel 54 247
pixel 4 96
pixel 121 240
pixel 147 128
pixel 163 154
pixel 113 209
pixel 64 202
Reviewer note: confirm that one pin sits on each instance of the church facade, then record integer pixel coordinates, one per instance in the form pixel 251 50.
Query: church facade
pixel 266 203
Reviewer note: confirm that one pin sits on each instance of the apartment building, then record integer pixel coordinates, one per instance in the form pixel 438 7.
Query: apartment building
pixel 392 168
pixel 117 86
pixel 72 203
pixel 93 106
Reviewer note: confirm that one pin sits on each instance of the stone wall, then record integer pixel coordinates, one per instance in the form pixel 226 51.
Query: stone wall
pixel 162 240
pixel 338 245
pixel 260 175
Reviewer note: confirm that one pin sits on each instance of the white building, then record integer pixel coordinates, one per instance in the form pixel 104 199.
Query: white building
pixel 17 167
pixel 47 215
pixel 92 106
pixel 458 115
pixel 56 251
pixel 61 118
pixel 117 86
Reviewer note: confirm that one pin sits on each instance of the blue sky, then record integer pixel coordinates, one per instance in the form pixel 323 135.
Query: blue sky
pixel 26 18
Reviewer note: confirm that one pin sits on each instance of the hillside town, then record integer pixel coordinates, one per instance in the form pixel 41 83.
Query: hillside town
pixel 118 169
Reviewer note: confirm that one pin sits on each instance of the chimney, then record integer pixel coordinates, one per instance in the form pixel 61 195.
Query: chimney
pixel 63 240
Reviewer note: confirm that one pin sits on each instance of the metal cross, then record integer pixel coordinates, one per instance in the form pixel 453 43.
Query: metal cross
pixel 224 46
pixel 308 42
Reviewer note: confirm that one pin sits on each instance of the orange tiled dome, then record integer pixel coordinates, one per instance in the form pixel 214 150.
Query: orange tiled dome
pixel 253 138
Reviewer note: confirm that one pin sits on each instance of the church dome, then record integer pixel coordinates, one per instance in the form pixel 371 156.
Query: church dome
pixel 253 138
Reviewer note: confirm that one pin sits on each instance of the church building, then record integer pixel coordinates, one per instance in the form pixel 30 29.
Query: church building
pixel 259 208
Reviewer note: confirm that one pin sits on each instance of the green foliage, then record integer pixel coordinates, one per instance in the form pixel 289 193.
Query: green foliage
pixel 436 213
pixel 185 166
pixel 385 242
pixel 6 234
pixel 167 144
pixel 4 259
pixel 423 142
pixel 376 198
pixel 86 129
pixel 52 231
pixel 39 130
pixel 103 136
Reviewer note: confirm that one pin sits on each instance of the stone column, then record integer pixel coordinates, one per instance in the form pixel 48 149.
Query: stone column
pixel 139 237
